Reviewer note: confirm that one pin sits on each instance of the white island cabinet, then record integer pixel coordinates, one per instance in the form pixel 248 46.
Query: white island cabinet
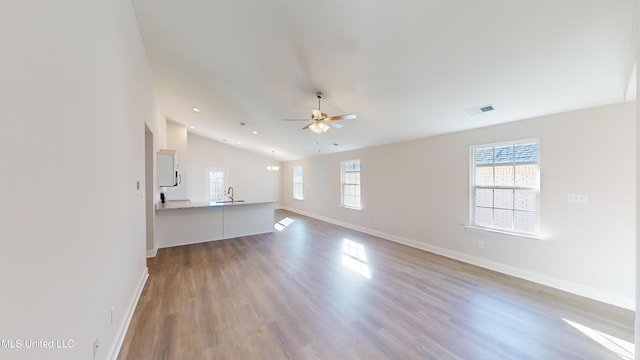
pixel 184 222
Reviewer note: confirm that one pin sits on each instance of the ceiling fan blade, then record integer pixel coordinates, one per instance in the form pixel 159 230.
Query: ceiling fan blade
pixel 342 117
pixel 295 119
pixel 306 127
pixel 333 125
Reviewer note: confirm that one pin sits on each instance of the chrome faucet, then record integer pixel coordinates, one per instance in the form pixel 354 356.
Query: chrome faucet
pixel 230 193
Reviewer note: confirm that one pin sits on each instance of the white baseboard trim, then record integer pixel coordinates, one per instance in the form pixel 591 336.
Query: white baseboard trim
pixel 124 326
pixel 152 253
pixel 570 287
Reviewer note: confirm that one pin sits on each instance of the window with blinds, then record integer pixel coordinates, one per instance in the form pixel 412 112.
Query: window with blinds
pixel 505 187
pixel 297 183
pixel 351 184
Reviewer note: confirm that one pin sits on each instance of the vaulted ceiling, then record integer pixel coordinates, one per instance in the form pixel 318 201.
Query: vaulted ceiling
pixel 406 68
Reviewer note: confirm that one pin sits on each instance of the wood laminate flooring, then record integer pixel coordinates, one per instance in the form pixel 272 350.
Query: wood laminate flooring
pixel 307 292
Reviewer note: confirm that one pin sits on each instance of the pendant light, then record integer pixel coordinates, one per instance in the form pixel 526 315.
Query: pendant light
pixel 273 167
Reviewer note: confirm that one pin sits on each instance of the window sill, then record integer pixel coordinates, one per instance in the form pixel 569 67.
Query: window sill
pixel 299 199
pixel 351 207
pixel 505 232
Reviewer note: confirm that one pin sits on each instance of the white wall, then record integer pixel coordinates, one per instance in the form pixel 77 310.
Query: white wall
pixel 75 93
pixel 417 192
pixel 247 171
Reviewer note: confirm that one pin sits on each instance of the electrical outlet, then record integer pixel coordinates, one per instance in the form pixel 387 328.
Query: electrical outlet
pixel 96 346
pixel 480 244
pixel 112 313
pixel 581 199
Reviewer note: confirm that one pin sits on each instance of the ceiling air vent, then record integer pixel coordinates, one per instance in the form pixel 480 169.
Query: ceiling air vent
pixel 480 110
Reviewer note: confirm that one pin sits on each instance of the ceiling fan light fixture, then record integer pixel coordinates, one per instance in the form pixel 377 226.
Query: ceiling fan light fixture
pixel 319 127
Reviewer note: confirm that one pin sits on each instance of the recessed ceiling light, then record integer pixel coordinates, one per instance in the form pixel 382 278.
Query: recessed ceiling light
pixel 238 143
pixel 255 132
pixel 196 109
pixel 193 127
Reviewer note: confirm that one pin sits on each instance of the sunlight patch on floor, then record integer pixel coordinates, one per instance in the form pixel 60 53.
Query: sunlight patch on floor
pixel 623 349
pixel 355 258
pixel 282 224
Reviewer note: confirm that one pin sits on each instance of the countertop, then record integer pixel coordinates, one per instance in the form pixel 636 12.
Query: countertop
pixel 173 204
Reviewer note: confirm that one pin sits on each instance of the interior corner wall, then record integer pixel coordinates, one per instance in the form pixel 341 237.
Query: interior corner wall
pixel 76 91
pixel 636 37
pixel 247 171
pixel 159 130
pixel 637 253
pixel 417 193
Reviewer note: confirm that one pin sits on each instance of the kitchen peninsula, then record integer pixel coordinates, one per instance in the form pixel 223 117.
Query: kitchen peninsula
pixel 186 222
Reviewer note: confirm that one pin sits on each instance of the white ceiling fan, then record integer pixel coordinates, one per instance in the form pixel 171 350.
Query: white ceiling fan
pixel 321 122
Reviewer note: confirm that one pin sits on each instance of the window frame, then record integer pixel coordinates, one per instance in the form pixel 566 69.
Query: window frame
pixel 298 186
pixel 536 233
pixel 207 182
pixel 343 173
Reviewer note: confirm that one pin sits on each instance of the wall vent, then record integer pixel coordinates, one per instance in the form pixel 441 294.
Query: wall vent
pixel 480 109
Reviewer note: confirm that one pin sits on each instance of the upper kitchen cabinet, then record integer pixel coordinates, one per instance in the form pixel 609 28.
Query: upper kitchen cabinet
pixel 177 141
pixel 167 165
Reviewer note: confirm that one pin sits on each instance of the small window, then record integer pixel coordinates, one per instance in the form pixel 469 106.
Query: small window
pixel 297 183
pixel 216 180
pixel 505 187
pixel 351 184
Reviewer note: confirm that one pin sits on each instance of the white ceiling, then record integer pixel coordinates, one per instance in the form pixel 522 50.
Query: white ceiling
pixel 408 69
